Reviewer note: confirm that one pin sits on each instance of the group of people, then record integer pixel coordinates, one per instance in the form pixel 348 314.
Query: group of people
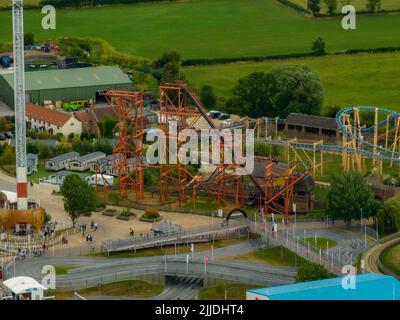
pixel 24 253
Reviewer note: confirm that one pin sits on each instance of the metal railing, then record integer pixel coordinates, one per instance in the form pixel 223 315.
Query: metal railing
pixel 178 235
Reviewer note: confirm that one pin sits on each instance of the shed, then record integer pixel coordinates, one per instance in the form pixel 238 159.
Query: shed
pixel 60 162
pixel 83 163
pixel 313 124
pixel 59 177
pixel 25 288
pixel 64 84
pixel 370 286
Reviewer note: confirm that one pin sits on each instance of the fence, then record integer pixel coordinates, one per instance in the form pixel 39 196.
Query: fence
pixel 178 235
pixel 287 238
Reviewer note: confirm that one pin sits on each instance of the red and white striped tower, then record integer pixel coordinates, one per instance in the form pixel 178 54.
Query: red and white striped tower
pixel 19 104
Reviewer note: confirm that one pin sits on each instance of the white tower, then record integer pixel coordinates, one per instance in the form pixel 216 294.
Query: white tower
pixel 19 104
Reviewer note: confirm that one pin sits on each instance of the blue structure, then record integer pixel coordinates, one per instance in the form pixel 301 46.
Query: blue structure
pixel 369 286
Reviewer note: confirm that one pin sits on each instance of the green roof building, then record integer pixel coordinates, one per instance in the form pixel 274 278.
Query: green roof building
pixel 63 84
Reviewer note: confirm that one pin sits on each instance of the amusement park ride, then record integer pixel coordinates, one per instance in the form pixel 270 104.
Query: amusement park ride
pixel 275 189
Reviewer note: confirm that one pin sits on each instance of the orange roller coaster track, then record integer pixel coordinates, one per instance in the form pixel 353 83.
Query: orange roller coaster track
pixel 128 152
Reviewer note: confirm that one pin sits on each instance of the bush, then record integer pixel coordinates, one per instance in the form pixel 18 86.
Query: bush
pixel 389 216
pixel 309 271
pixel 127 213
pixel 114 197
pixel 151 213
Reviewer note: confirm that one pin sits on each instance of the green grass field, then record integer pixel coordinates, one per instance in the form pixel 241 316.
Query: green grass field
pixel 390 258
pixel 322 243
pixel 358 4
pixel 234 291
pixel 128 288
pixel 210 28
pixel 6 3
pixel 362 79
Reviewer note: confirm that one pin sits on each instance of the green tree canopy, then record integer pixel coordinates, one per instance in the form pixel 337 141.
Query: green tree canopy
pixel 168 57
pixel 106 126
pixel 373 5
pixel 314 6
pixel 318 47
pixel 348 195
pixel 170 72
pixel 29 39
pixel 389 216
pixel 208 96
pixel 285 89
pixel 310 271
pixel 331 6
pixel 79 197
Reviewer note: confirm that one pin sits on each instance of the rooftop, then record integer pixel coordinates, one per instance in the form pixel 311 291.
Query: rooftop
pixel 90 156
pixel 64 156
pixel 71 78
pixel 50 116
pixel 311 121
pixel 19 285
pixel 370 286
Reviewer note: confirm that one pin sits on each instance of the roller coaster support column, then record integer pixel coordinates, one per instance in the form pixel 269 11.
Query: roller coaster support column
pixel 266 128
pixel 375 134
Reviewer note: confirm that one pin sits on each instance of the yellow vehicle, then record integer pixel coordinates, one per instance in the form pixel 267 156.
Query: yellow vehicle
pixel 75 105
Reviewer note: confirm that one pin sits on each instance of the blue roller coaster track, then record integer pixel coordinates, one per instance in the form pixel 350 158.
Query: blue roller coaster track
pixel 384 153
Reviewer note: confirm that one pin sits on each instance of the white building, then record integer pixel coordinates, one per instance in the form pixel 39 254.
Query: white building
pixel 25 288
pixel 83 163
pixel 41 119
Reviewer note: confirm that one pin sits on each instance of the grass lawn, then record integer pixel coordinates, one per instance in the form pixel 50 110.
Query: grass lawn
pixel 276 256
pixel 63 269
pixel 41 173
pixel 210 28
pixel 362 79
pixel 7 3
pixel 321 242
pixel 128 288
pixel 234 291
pixel 179 249
pixel 390 258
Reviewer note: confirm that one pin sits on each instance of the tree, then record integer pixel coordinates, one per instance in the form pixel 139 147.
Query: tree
pixel 389 216
pixel 314 6
pixel 171 71
pixel 79 197
pixel 348 195
pixel 208 96
pixel 106 126
pixel 168 57
pixel 5 125
pixel 331 6
pixel 309 271
pixel 285 89
pixel 373 5
pixel 318 47
pixel 29 39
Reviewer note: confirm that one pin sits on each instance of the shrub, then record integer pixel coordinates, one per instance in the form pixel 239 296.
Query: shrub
pixel 114 197
pixel 151 213
pixel 310 271
pixel 127 213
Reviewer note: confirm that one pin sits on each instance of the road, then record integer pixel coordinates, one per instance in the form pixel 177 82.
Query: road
pixel 92 271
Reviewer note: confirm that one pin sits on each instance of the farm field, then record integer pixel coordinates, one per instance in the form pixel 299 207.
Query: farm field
pixel 358 4
pixel 362 79
pixel 6 3
pixel 211 28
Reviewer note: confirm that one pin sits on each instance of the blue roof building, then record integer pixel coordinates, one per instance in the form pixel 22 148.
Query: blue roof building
pixel 369 286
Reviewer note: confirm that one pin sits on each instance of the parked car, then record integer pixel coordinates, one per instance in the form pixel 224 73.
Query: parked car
pixel 2 137
pixel 74 105
pixel 9 135
pixel 213 114
pixel 223 116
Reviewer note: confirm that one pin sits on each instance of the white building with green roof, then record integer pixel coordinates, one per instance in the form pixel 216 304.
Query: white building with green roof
pixel 63 84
